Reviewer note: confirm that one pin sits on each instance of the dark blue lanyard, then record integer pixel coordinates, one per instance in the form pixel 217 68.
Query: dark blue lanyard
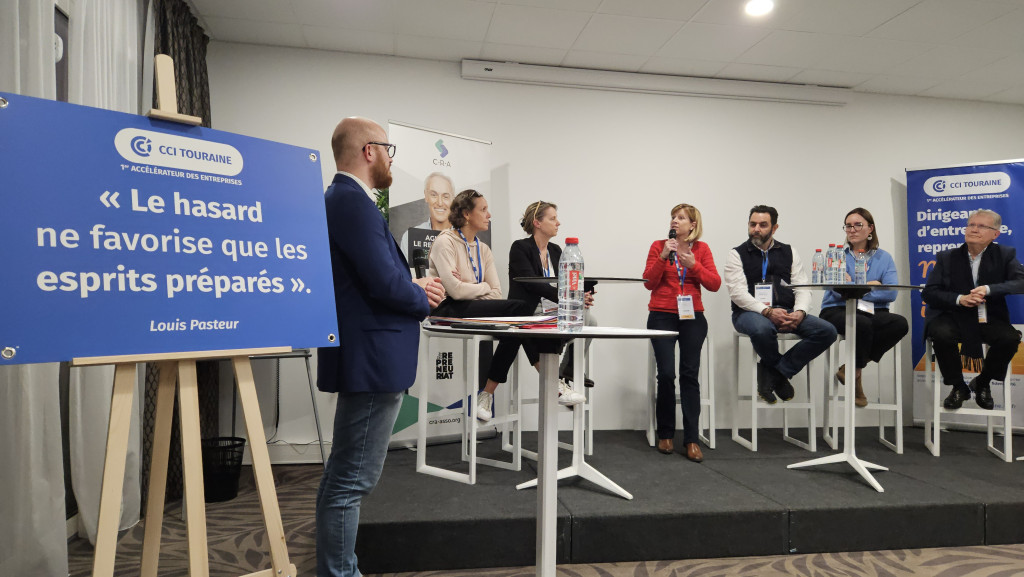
pixel 764 265
pixel 680 272
pixel 478 274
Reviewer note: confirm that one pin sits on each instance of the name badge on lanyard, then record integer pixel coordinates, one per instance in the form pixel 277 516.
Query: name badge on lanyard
pixel 866 306
pixel 982 313
pixel 763 290
pixel 684 303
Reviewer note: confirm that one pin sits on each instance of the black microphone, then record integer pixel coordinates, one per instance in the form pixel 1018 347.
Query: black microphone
pixel 672 234
pixel 420 262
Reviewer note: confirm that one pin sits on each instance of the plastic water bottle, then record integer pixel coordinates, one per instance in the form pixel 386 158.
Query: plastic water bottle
pixel 841 264
pixel 570 287
pixel 830 265
pixel 818 267
pixel 860 268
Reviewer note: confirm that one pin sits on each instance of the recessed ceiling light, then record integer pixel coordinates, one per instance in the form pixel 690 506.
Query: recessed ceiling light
pixel 759 7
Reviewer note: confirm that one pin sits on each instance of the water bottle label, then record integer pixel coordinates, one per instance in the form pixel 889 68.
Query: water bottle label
pixel 574 280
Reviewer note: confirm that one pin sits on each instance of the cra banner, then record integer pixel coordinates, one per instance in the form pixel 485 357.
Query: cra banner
pixel 939 201
pixel 431 167
pixel 129 235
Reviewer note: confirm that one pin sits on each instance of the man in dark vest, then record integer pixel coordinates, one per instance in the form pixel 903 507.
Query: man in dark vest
pixel 966 297
pixel 757 275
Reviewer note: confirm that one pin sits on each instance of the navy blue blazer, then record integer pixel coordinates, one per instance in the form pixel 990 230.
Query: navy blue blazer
pixel 379 308
pixel 951 277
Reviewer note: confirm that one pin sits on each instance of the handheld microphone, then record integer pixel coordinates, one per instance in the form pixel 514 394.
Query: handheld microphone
pixel 420 262
pixel 672 234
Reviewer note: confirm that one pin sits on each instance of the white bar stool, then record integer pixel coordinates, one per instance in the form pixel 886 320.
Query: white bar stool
pixel 748 392
pixel 933 417
pixel 707 393
pixel 834 397
pixel 470 359
pixel 580 361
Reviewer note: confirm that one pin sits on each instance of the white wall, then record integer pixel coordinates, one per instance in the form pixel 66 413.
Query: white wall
pixel 616 163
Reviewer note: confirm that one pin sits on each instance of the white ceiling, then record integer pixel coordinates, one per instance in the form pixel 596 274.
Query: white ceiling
pixel 966 49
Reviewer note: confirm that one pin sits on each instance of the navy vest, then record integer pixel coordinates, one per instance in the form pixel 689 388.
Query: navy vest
pixel 780 266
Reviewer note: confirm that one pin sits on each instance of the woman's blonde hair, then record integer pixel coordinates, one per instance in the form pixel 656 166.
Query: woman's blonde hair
pixel 534 211
pixel 694 215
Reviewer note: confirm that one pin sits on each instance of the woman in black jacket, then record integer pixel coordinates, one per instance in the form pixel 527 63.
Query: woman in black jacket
pixel 536 256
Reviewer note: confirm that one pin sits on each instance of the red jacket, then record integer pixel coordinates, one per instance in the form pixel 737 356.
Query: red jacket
pixel 663 280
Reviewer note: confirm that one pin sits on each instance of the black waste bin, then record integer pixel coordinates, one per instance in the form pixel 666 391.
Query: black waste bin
pixel 222 465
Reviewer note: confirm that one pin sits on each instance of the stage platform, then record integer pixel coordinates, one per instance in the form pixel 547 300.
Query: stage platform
pixel 736 503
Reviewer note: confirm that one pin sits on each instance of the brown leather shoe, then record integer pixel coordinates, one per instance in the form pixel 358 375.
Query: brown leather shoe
pixel 665 446
pixel 693 453
pixel 860 399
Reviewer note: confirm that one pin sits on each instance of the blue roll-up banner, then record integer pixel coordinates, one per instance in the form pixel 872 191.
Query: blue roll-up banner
pixel 127 235
pixel 939 201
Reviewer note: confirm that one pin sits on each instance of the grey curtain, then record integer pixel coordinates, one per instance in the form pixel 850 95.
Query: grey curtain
pixel 176 33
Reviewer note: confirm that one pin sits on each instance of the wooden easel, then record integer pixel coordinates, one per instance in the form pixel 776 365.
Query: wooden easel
pixel 180 369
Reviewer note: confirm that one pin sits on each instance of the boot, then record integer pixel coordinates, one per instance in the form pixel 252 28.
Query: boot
pixel 860 399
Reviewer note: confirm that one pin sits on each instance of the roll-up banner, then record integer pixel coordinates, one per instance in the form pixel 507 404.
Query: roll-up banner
pixel 939 201
pixel 430 168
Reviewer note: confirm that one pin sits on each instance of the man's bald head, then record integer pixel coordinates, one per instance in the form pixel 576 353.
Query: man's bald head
pixel 354 154
pixel 350 136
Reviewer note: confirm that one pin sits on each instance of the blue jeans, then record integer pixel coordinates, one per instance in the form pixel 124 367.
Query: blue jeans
pixel 362 429
pixel 815 335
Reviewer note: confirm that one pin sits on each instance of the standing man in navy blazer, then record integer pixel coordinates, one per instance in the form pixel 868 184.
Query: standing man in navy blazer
pixel 379 308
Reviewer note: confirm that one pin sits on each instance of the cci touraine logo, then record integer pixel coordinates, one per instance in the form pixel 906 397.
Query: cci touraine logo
pixel 182 152
pixel 142 145
pixel 964 184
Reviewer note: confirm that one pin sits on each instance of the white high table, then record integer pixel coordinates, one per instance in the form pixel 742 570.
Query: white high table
pixel 850 293
pixel 549 343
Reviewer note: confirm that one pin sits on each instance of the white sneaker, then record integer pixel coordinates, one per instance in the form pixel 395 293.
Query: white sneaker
pixel 484 406
pixel 568 397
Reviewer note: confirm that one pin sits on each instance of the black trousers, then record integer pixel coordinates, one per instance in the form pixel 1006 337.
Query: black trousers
pixel 691 339
pixel 876 333
pixel 508 348
pixel 1002 340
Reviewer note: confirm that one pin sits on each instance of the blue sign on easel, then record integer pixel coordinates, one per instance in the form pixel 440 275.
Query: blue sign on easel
pixel 128 235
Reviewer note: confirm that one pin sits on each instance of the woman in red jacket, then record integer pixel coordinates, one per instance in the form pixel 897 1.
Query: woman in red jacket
pixel 676 269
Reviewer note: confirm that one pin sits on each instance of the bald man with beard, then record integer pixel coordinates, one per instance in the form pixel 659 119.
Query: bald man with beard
pixel 379 309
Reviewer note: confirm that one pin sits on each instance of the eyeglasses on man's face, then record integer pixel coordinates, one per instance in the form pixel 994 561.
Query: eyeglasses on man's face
pixel 391 148
pixel 853 227
pixel 976 226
